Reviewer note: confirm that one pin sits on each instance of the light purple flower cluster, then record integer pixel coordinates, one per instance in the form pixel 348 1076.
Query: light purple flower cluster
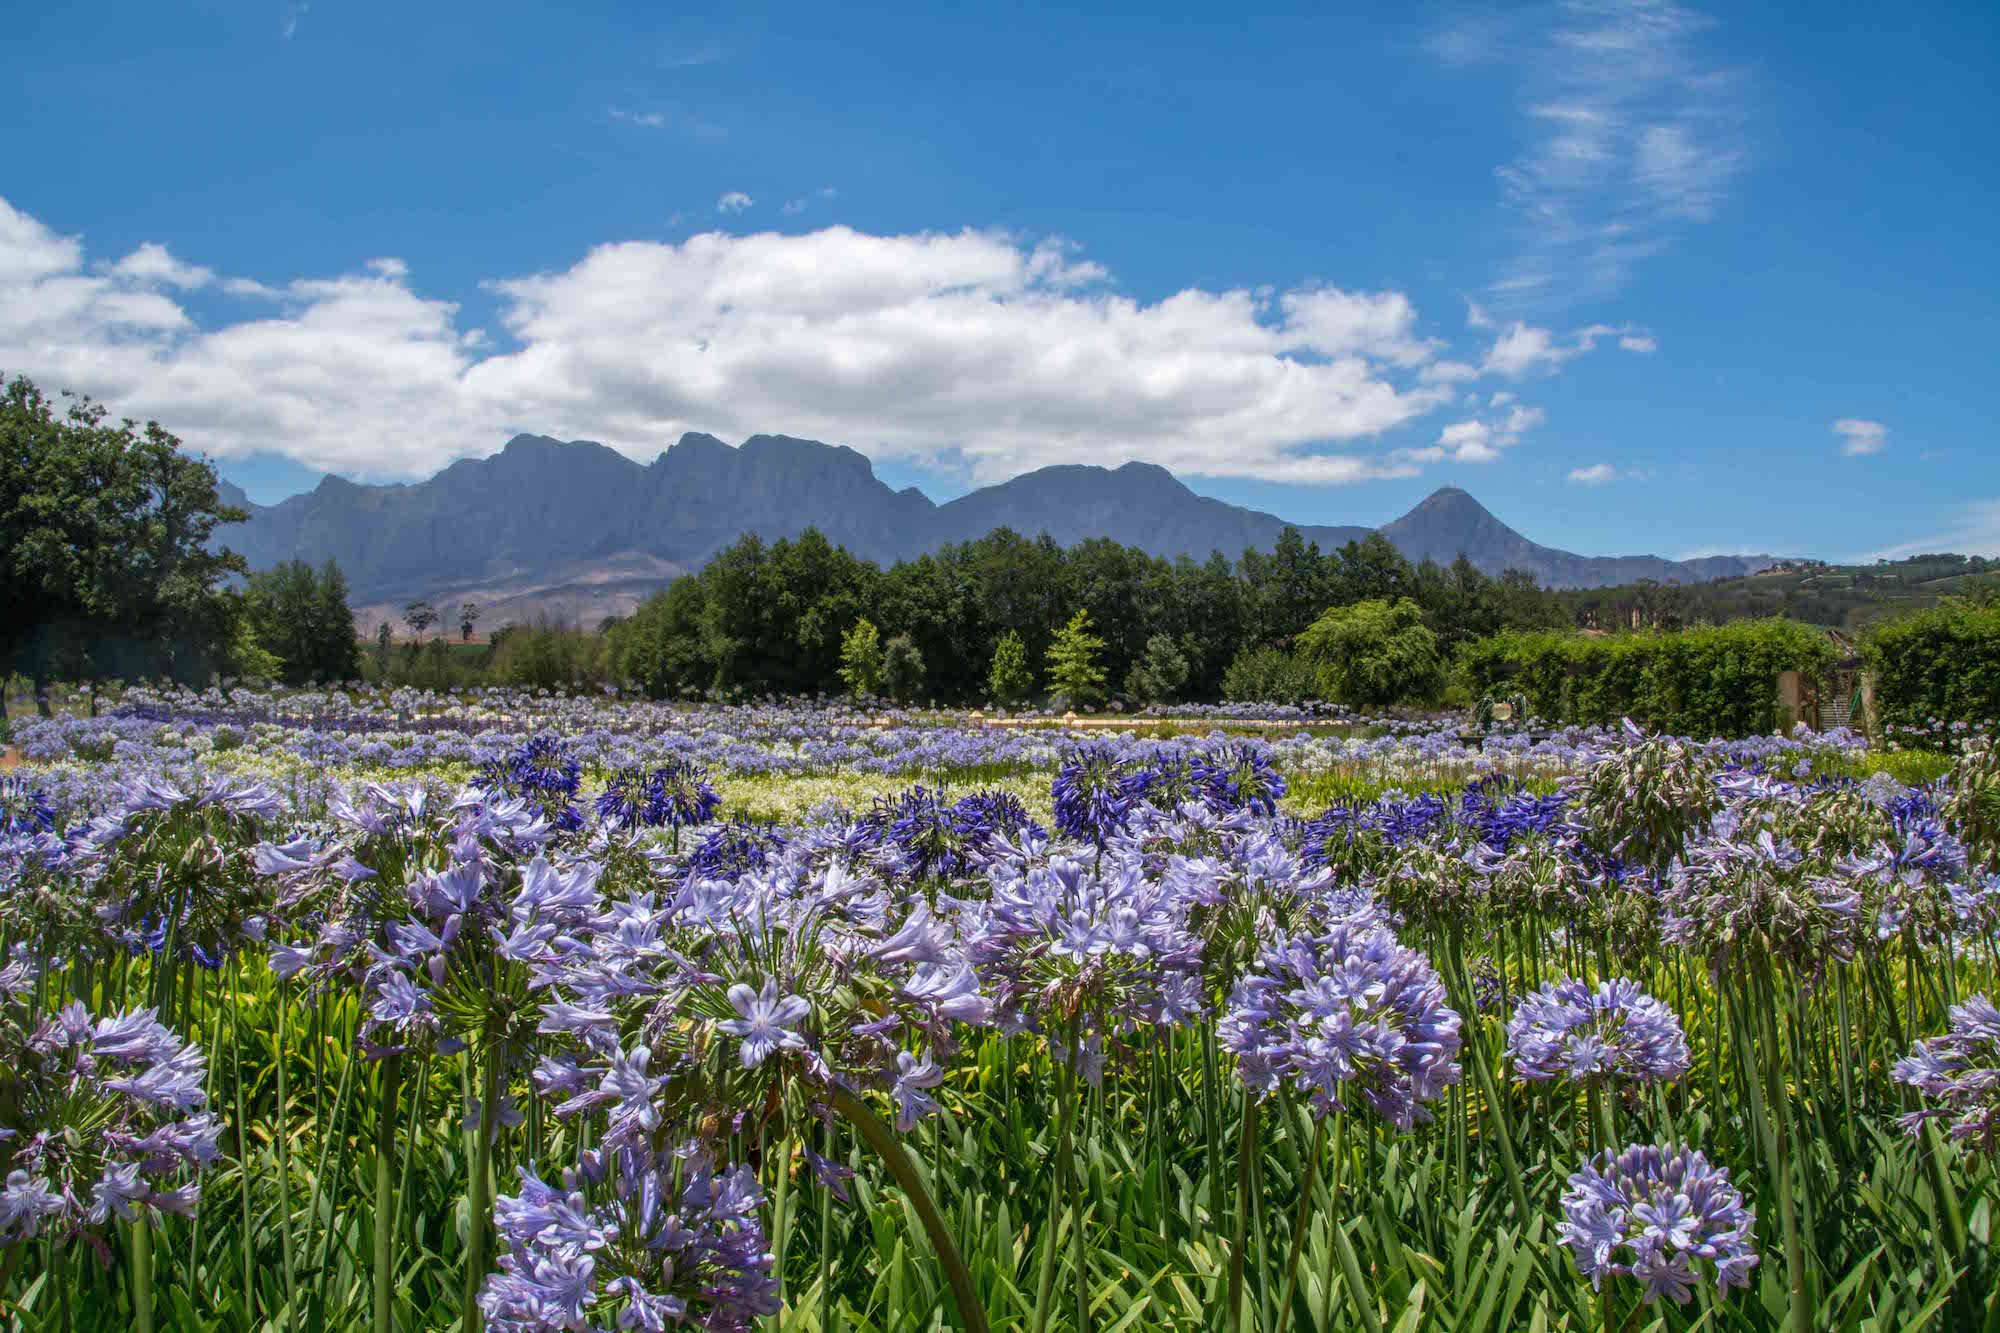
pixel 1568 1030
pixel 1351 1013
pixel 1652 1214
pixel 609 1250
pixel 101 1119
pixel 1961 1072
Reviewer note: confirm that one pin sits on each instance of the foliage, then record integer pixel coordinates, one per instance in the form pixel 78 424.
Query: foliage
pixel 1072 666
pixel 1720 681
pixel 902 668
pixel 1010 680
pixel 1263 674
pixel 861 659
pixel 768 618
pixel 1940 666
pixel 1374 653
pixel 107 564
pixel 1161 674
pixel 547 655
pixel 301 618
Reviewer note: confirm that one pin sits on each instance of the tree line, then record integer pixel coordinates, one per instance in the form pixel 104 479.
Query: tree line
pixel 996 617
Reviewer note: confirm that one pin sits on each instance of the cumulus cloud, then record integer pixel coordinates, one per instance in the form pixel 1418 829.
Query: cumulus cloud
pixel 1630 133
pixel 1597 474
pixel 733 202
pixel 998 353
pixel 1860 438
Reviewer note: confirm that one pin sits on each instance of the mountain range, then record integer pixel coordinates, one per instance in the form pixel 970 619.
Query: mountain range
pixel 578 530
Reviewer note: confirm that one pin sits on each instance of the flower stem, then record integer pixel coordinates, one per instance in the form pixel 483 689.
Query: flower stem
pixel 1299 1220
pixel 385 1193
pixel 883 1141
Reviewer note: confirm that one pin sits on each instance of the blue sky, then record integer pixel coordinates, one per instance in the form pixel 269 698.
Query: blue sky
pixel 1641 278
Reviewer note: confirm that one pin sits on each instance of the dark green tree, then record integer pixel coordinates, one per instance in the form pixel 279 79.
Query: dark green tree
pixel 301 617
pixel 902 668
pixel 1010 680
pixel 108 566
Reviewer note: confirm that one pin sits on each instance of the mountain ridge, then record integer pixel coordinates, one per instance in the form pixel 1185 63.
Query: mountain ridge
pixel 578 528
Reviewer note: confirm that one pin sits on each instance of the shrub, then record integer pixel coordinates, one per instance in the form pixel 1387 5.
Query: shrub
pixel 1711 681
pixel 1267 675
pixel 1940 666
pixel 1374 653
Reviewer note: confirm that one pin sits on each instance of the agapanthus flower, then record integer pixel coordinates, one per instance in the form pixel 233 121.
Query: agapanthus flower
pixel 1658 1216
pixel 103 1121
pixel 1349 1016
pixel 1617 1031
pixel 633 1240
pixel 766 1022
pixel 1092 791
pixel 1960 1071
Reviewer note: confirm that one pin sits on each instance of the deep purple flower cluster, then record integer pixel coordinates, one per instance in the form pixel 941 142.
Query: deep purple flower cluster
pixel 101 1118
pixel 612 1250
pixel 676 794
pixel 1960 1071
pixel 1351 1013
pixel 1568 1030
pixel 936 837
pixel 544 772
pixel 1092 792
pixel 1653 1215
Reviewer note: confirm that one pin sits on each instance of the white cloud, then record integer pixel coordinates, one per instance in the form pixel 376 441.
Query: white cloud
pixel 1973 530
pixel 733 202
pixel 1500 399
pixel 1860 438
pixel 1477 440
pixel 650 120
pixel 1630 133
pixel 1597 474
pixel 978 346
pixel 1527 347
pixel 151 263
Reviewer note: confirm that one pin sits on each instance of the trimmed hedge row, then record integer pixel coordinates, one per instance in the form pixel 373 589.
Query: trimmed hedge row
pixel 1937 666
pixel 1712 681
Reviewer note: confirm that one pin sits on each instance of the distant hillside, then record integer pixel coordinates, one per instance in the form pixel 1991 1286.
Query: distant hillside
pixel 580 530
pixel 1842 597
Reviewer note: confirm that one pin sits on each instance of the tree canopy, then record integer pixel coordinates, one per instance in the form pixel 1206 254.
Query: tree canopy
pixel 107 563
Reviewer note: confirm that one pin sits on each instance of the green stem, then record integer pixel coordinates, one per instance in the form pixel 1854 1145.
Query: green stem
pixel 385 1194
pixel 1299 1224
pixel 1045 1279
pixel 1246 1159
pixel 883 1141
pixel 479 1194
pixel 142 1274
pixel 285 1162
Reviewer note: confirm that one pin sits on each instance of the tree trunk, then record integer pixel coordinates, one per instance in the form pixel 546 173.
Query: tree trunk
pixel 42 697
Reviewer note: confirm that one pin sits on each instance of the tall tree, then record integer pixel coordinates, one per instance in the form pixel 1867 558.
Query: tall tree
pixel 468 616
pixel 861 659
pixel 301 618
pixel 1072 663
pixel 420 616
pixel 107 563
pixel 1009 680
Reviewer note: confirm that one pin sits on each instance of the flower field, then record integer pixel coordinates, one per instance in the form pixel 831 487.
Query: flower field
pixel 352 1010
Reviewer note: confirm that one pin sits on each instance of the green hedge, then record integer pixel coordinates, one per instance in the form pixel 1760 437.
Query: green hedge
pixel 1938 666
pixel 1720 681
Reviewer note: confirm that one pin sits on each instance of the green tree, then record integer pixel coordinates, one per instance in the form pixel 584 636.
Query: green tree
pixel 108 565
pixel 861 659
pixel 1374 653
pixel 1010 680
pixel 1072 662
pixel 1161 674
pixel 902 668
pixel 420 616
pixel 301 618
pixel 468 616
